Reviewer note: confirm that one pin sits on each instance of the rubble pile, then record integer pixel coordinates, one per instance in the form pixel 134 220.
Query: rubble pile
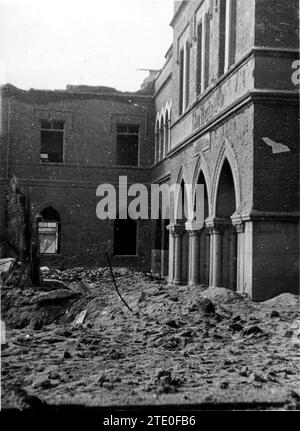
pixel 178 345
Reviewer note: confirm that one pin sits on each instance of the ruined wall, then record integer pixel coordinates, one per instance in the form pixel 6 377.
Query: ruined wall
pixel 89 160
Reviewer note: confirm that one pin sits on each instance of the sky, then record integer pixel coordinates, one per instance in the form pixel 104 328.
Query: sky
pixel 49 44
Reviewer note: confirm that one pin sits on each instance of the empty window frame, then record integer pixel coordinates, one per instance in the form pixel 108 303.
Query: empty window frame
pixel 125 237
pixel 187 75
pixel 49 231
pixel 127 151
pixel 52 141
pixel 227 35
pixel 156 149
pixel 206 51
pixel 184 77
pixel 199 72
pixel 167 133
pixel 203 52
pixel 181 80
pixel 161 139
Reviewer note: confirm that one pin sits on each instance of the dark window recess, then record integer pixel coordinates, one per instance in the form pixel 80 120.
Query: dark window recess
pixel 127 153
pixel 181 66
pixel 158 234
pixel 166 234
pixel 125 237
pixel 232 40
pixel 52 141
pixel 187 77
pixel 199 58
pixel 222 23
pixel 207 50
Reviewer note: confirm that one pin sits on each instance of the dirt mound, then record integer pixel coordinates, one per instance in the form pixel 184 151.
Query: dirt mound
pixel 285 299
pixel 67 293
pixel 221 294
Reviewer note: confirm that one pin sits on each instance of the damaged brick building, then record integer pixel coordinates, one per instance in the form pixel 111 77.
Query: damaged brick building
pixel 61 145
pixel 222 112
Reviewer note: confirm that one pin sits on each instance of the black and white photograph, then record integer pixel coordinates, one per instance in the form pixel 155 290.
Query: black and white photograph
pixel 149 211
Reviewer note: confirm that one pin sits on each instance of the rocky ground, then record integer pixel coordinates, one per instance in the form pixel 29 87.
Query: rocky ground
pixel 179 345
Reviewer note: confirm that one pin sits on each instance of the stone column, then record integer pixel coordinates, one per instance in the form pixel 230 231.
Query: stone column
pixel 171 253
pixel 207 256
pixel 238 226
pixel 194 230
pixel 216 255
pixel 194 248
pixel 178 254
pixel 232 259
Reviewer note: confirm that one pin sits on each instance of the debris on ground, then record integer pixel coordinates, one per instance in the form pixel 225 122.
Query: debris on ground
pixel 182 344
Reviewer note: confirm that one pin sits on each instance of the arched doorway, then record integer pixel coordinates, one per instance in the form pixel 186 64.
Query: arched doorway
pixel 225 208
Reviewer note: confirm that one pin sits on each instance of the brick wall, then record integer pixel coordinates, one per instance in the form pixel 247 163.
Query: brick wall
pixel 276 176
pixel 89 160
pixel 277 23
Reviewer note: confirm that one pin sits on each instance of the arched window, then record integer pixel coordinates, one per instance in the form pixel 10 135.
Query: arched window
pixel 161 138
pixel 156 150
pixel 226 201
pixel 181 80
pixel 166 149
pixel 125 237
pixel 187 75
pixel 49 231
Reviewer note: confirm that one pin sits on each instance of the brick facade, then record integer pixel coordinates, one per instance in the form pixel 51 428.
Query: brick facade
pixel 90 120
pixel 237 135
pixel 251 104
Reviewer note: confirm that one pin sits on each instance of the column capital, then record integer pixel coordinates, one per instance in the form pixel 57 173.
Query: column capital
pixel 176 229
pixel 239 227
pixel 237 223
pixel 215 225
pixel 194 226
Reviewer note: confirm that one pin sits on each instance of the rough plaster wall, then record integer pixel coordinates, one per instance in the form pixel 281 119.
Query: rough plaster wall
pixel 90 136
pixel 276 176
pixel 245 27
pixel 277 23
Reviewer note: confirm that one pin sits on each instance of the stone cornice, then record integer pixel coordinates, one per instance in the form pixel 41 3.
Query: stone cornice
pixel 178 13
pixel 255 95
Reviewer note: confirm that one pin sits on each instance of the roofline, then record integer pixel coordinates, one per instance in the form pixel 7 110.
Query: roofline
pixel 12 90
pixel 178 12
